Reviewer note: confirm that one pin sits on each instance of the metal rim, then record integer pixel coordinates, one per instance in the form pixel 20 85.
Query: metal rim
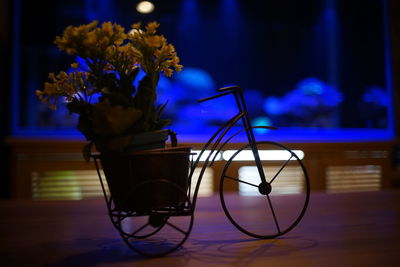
pixel 279 232
pixel 133 239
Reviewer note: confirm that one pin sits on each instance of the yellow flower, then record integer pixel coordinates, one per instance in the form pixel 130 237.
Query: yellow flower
pixel 151 27
pixel 169 49
pixel 167 72
pixel 62 75
pixel 137 26
pixel 153 41
pixel 90 39
pixel 112 60
pixel 119 41
pixel 107 28
pixel 50 89
pixel 114 119
pixel 39 94
pixel 70 51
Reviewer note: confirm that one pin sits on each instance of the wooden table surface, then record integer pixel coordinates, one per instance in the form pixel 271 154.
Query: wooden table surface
pixel 348 229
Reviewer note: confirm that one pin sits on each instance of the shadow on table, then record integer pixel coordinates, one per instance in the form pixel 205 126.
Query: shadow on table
pixel 243 252
pixel 108 251
pixel 79 252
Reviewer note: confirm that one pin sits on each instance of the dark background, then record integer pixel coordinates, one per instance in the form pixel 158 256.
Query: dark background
pixel 269 48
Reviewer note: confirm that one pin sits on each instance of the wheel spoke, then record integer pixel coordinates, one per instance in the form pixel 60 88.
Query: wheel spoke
pixel 277 225
pixel 282 167
pixel 273 214
pixel 176 228
pixel 140 229
pixel 240 181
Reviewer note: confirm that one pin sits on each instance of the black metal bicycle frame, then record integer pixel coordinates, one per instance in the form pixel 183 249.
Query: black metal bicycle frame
pixel 216 146
pixel 220 134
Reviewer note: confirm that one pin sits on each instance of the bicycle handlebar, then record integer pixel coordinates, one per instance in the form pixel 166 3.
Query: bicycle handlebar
pixel 212 97
pixel 226 90
pixel 230 88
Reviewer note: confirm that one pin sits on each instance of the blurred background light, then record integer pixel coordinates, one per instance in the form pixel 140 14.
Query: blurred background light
pixel 205 155
pixel 302 67
pixel 246 155
pixel 145 7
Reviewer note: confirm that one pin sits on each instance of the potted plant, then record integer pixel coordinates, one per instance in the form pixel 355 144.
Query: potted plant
pixel 114 114
pixel 100 89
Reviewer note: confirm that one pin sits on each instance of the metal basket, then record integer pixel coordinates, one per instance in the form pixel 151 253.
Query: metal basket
pixel 147 180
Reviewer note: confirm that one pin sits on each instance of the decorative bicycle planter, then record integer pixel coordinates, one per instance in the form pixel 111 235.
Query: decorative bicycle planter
pixel 152 205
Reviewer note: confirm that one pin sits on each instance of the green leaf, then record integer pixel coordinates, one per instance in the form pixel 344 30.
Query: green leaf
pixel 85 123
pixel 161 108
pixel 111 120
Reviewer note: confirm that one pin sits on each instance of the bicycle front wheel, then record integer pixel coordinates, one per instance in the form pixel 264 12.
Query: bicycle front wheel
pixel 270 209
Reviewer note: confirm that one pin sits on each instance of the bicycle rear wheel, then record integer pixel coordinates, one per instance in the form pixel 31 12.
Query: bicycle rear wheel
pixel 265 210
pixel 155 231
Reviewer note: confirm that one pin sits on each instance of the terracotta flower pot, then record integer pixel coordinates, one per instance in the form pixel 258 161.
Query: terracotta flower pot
pixel 146 180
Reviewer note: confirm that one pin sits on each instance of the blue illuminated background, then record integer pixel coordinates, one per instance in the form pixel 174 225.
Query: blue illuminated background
pixel 316 69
